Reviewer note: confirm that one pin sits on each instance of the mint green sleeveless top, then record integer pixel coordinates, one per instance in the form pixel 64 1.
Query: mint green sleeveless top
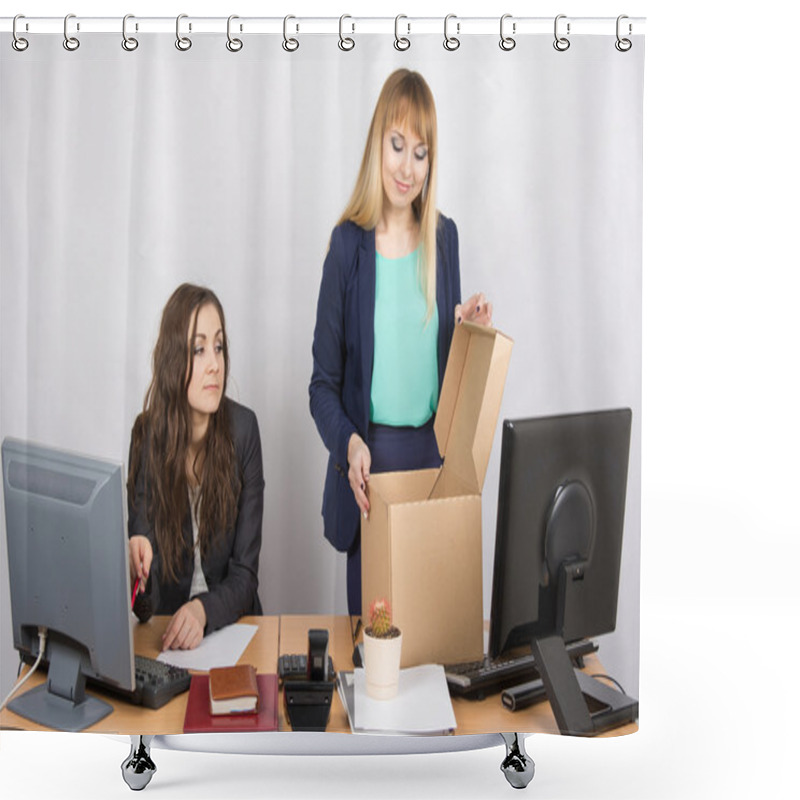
pixel 405 369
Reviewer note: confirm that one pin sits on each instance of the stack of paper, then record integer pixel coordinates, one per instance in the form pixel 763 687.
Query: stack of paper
pixel 422 705
pixel 223 648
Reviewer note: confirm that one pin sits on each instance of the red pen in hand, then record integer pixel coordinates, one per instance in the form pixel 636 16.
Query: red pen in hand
pixel 135 589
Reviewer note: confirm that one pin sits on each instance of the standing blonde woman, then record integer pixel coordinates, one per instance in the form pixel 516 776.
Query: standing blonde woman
pixel 195 481
pixel 389 300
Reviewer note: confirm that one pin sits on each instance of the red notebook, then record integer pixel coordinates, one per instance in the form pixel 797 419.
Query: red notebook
pixel 198 718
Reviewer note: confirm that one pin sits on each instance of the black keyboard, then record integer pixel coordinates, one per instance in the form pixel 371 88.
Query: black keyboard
pixel 157 683
pixel 478 679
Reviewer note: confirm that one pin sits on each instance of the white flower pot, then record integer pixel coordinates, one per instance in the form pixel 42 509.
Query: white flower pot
pixel 382 666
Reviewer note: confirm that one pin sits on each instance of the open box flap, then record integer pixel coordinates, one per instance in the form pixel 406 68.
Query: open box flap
pixel 469 405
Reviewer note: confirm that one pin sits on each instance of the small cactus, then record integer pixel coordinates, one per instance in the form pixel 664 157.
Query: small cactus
pixel 380 620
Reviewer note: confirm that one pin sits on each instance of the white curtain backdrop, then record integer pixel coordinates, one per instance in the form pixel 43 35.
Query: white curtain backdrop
pixel 125 174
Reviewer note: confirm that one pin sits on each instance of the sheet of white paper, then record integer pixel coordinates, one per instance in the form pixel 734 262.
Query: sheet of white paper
pixel 422 704
pixel 223 648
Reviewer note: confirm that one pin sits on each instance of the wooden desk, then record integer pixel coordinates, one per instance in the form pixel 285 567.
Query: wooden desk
pixel 289 634
pixel 130 719
pixel 472 716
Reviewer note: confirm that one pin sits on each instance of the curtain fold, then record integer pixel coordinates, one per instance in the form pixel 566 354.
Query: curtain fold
pixel 125 174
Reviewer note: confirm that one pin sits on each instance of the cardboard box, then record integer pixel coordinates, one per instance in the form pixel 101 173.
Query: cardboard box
pixel 421 546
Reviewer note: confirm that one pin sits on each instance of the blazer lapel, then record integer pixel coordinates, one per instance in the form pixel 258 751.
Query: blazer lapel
pixel 442 306
pixel 366 310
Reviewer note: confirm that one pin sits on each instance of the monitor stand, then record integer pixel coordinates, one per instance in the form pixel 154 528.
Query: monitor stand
pixel 61 702
pixel 582 705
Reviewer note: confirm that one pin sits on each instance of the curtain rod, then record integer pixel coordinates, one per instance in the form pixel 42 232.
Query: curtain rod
pixel 347 25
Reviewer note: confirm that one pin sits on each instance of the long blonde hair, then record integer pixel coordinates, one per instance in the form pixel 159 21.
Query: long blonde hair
pixel 404 98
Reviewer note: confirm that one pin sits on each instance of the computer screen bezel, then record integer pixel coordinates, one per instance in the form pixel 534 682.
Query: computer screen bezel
pixel 68 568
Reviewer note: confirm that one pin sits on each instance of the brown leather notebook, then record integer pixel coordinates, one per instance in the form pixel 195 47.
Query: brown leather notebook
pixel 199 720
pixel 233 690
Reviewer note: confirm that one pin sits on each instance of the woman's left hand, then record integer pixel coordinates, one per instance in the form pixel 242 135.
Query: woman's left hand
pixel 477 309
pixel 185 629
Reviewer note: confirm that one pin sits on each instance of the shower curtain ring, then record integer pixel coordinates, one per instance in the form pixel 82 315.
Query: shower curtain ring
pixel 70 42
pixel 182 42
pixel 507 42
pixel 18 43
pixel 289 44
pixel 401 42
pixel 623 45
pixel 346 43
pixel 451 42
pixel 129 43
pixel 233 44
pixel 561 43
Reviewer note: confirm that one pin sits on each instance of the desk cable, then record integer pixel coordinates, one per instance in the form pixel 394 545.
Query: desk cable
pixel 21 682
pixel 601 676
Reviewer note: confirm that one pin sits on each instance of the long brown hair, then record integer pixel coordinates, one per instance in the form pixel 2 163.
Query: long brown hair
pixel 163 431
pixel 405 97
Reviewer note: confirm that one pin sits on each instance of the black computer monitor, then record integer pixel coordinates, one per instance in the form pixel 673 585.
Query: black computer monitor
pixel 560 518
pixel 68 574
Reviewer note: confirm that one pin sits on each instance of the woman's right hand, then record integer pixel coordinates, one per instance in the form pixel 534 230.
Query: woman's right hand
pixel 477 309
pixel 140 556
pixel 360 460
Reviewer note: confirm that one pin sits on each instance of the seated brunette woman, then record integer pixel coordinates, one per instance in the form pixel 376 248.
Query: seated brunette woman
pixel 196 481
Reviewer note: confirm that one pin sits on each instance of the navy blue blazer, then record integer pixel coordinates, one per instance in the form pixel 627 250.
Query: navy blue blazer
pixel 343 348
pixel 231 567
